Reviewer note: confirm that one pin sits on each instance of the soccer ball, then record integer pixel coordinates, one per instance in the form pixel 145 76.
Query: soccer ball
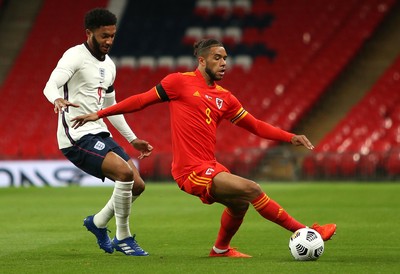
pixel 306 244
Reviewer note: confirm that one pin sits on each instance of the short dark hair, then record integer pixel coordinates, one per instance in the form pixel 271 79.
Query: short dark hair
pixel 98 17
pixel 203 46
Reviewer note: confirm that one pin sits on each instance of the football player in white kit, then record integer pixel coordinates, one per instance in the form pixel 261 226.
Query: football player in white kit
pixel 81 83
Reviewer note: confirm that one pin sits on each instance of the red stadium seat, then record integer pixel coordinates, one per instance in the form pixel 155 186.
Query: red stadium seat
pixel 260 8
pixel 204 8
pixel 241 8
pixel 392 166
pixel 251 36
pixel 348 164
pixel 222 8
pixel 309 167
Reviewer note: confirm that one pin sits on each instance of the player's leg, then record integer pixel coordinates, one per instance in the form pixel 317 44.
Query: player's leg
pixel 232 190
pixel 102 218
pixel 125 191
pixel 88 154
pixel 117 169
pixel 121 171
pixel 230 223
pixel 102 157
pixel 139 185
pixel 237 193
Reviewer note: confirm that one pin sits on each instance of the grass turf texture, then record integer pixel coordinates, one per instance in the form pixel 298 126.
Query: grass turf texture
pixel 42 232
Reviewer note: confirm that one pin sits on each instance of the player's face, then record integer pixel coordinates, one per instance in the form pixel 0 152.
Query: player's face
pixel 101 39
pixel 216 63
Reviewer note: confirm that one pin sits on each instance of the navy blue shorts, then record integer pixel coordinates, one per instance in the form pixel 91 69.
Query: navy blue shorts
pixel 89 152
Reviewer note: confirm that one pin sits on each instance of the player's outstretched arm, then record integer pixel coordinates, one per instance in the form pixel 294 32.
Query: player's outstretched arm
pixel 130 104
pixel 83 119
pixel 267 131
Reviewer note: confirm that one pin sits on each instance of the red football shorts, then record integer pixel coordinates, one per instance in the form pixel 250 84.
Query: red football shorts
pixel 199 181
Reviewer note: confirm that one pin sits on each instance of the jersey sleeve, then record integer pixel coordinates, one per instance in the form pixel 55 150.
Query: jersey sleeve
pixel 169 87
pixel 263 129
pixel 240 117
pixel 64 70
pixel 132 104
pixel 235 111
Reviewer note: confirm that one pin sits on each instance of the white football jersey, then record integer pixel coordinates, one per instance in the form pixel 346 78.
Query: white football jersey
pixel 82 79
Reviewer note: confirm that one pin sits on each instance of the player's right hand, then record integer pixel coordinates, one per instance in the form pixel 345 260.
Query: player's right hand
pixel 301 140
pixel 83 119
pixel 61 104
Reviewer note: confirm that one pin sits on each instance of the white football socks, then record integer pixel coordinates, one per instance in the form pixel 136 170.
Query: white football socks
pixel 122 208
pixel 102 218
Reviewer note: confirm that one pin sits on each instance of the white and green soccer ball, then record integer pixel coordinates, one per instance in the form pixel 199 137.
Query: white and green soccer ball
pixel 306 244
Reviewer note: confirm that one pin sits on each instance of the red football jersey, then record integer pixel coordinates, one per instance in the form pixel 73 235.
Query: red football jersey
pixel 196 109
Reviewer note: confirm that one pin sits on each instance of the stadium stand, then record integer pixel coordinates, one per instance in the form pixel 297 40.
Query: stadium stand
pixel 284 55
pixel 366 142
pixel 304 63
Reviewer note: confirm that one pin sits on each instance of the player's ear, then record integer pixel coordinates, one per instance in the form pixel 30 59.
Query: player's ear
pixel 89 33
pixel 202 60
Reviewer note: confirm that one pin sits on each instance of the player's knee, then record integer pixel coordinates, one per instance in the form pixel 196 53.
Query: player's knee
pixel 253 190
pixel 239 208
pixel 125 175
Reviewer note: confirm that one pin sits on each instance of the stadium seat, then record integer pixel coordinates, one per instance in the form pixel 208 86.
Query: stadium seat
pixel 213 32
pixel 166 61
pixel 348 164
pixel 260 8
pixel 185 63
pixel 309 167
pixel 192 35
pixel 241 8
pixel 392 165
pixel 251 36
pixel 222 8
pixel 231 36
pixel 127 61
pixel 204 8
pixel 243 61
pixel 147 63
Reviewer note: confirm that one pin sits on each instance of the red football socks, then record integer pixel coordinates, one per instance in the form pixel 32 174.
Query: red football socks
pixel 229 226
pixel 266 207
pixel 272 211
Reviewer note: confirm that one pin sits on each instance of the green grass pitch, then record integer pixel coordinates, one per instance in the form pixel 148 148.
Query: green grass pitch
pixel 42 232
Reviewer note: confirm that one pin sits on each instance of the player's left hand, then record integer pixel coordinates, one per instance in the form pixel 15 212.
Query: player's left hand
pixel 61 104
pixel 301 140
pixel 143 146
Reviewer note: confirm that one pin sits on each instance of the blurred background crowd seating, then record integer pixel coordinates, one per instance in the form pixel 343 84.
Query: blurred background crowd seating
pixel 327 69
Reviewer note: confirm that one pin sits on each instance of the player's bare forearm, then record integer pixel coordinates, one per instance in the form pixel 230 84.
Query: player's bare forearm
pixel 302 140
pixel 83 119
